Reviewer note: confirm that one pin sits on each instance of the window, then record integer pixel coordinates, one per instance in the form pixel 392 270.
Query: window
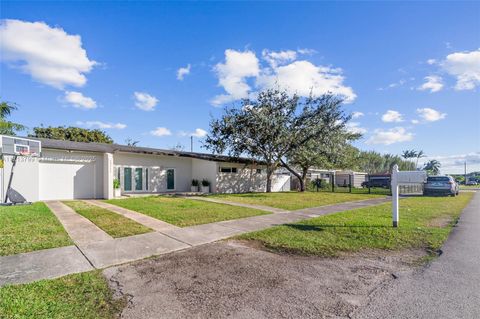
pixel 228 170
pixel 259 171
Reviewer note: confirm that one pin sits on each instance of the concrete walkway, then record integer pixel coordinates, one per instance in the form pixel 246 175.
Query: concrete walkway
pixel 95 250
pixel 145 220
pixel 448 288
pixel 81 230
pixel 226 202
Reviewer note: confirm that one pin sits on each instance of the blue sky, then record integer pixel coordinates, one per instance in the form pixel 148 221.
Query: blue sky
pixel 409 71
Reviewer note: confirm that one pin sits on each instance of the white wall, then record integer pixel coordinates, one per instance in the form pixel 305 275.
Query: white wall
pixel 158 165
pixel 25 179
pixel 202 169
pixel 69 175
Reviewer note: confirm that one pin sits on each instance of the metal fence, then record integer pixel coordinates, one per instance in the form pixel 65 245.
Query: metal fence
pixel 363 184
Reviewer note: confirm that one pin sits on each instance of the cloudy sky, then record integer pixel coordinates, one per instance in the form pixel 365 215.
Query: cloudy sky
pixel 157 72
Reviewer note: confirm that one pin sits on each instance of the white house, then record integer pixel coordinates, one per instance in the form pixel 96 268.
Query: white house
pixel 69 170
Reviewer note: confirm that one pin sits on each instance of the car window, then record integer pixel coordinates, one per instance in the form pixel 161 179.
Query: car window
pixel 438 179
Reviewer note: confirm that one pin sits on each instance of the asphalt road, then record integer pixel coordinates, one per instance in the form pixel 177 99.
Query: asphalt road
pixel 448 288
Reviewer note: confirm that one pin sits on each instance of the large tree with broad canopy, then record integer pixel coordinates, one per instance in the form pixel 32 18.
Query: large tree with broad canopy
pixel 274 126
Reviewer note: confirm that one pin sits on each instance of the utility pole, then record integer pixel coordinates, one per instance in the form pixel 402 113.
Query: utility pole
pixel 191 143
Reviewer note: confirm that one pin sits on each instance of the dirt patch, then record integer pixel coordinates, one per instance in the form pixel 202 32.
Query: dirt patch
pixel 230 279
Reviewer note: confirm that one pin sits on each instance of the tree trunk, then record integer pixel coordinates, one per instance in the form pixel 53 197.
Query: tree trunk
pixel 269 178
pixel 303 181
pixel 300 178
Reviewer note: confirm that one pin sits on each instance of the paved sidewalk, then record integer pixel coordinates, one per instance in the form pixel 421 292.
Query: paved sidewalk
pixel 81 230
pixel 448 288
pixel 42 264
pixel 94 249
pixel 143 219
pixel 226 202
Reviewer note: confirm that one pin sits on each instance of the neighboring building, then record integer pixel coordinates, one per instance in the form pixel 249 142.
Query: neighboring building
pixel 69 170
pixel 344 178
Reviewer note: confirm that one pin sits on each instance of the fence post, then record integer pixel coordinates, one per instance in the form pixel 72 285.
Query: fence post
pixel 394 187
pixel 350 183
pixel 333 183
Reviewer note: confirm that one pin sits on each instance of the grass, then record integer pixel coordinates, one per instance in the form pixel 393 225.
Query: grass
pixel 84 295
pixel 112 223
pixel 469 186
pixel 30 227
pixel 293 200
pixel 425 222
pixel 184 212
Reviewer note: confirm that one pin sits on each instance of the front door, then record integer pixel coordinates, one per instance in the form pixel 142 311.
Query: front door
pixel 170 179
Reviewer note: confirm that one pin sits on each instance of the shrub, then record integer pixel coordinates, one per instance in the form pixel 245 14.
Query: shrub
pixel 205 182
pixel 195 182
pixel 116 183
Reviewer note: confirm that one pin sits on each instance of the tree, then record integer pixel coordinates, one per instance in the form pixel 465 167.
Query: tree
pixel 273 126
pixel 71 133
pixel 432 167
pixel 131 142
pixel 420 154
pixel 328 151
pixel 8 127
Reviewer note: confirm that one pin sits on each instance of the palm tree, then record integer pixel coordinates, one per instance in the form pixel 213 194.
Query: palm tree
pixel 7 127
pixel 432 167
pixel 420 154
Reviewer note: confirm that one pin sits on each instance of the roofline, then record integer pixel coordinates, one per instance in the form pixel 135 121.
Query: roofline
pixel 113 148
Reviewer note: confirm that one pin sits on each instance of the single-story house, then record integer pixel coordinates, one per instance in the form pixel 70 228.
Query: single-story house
pixel 69 170
pixel 344 178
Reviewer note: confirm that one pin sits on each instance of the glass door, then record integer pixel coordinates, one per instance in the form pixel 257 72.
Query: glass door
pixel 170 179
pixel 138 179
pixel 127 179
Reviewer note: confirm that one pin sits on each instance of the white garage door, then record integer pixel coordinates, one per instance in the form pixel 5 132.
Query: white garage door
pixel 67 180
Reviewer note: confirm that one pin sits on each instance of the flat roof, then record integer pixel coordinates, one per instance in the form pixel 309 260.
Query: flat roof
pixel 112 148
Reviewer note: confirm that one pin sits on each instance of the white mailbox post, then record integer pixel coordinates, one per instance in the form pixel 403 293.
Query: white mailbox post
pixel 406 178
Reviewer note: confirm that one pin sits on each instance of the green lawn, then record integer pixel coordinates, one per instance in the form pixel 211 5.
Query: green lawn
pixel 30 227
pixel 425 222
pixel 294 200
pixel 84 295
pixel 112 223
pixel 469 186
pixel 184 212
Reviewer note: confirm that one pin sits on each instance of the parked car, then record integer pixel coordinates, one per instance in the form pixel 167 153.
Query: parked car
pixel 442 185
pixel 471 183
pixel 383 182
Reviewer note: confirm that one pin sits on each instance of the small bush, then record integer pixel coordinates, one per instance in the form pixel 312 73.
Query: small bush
pixel 205 182
pixel 116 183
pixel 195 182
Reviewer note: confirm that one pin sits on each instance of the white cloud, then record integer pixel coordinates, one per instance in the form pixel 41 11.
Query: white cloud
pixel 233 73
pixel 457 160
pixel 433 83
pixel 356 114
pixel 415 121
pixel 392 116
pixel 300 76
pixel 145 101
pixel 431 61
pixel 79 100
pixel 307 51
pixel 48 54
pixel 161 131
pixel 355 128
pixel 102 125
pixel 303 77
pixel 430 115
pixel 391 136
pixel 197 133
pixel 276 58
pixel 465 67
pixel 182 72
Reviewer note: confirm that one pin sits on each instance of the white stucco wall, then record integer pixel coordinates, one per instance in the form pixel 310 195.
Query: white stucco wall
pixel 202 169
pixel 157 165
pixel 69 175
pixel 25 179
